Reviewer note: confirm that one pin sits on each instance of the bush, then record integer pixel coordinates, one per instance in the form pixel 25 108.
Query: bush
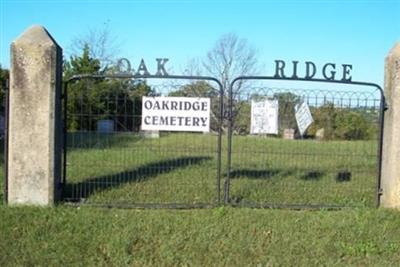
pixel 353 125
pixel 343 124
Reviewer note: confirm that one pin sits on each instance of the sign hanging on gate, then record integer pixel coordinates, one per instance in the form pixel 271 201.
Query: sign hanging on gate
pixel 264 117
pixel 303 117
pixel 186 114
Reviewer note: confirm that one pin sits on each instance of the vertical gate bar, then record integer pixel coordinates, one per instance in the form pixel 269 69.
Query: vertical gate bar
pixel 116 114
pixel 6 120
pixel 229 160
pixel 125 115
pixel 220 124
pixel 89 114
pixel 65 98
pixel 382 109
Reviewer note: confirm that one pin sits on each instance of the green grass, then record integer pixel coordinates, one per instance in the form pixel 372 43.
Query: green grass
pixel 86 236
pixel 182 168
pixel 172 169
pixel 266 170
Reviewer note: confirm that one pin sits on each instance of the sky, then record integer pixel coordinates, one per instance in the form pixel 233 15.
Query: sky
pixel 360 33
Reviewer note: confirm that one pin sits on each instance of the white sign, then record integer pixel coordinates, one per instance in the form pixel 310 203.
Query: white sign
pixel 187 114
pixel 264 117
pixel 303 117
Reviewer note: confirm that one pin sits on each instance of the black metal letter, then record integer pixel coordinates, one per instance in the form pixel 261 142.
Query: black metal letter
pixel 333 72
pixel 124 66
pixel 346 71
pixel 160 66
pixel 314 70
pixel 279 68
pixel 294 76
pixel 142 67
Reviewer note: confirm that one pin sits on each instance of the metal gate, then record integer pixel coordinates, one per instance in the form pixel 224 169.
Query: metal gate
pixel 108 160
pixel 335 163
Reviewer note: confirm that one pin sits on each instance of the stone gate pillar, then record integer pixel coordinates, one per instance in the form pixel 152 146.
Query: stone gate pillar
pixel 35 133
pixel 390 183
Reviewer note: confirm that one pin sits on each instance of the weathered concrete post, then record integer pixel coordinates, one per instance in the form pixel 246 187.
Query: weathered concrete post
pixel 35 134
pixel 391 140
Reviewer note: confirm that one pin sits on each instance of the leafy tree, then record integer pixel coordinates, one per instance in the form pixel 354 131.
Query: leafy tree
pixel 352 125
pixel 90 100
pixel 136 90
pixel 242 117
pixel 342 124
pixel 195 89
pixel 324 118
pixel 84 64
pixel 4 76
pixel 79 95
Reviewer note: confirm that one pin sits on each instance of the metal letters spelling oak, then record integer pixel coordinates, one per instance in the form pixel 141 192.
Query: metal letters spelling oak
pixel 124 66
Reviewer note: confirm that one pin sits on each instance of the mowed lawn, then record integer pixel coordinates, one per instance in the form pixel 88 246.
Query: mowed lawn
pixel 181 168
pixel 66 236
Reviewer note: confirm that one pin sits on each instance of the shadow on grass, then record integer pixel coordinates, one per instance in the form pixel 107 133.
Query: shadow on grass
pixel 312 176
pixel 84 189
pixel 343 176
pixel 259 174
pixel 90 140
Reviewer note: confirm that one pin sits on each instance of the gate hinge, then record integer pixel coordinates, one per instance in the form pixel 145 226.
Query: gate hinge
pixel 380 191
pixel 386 107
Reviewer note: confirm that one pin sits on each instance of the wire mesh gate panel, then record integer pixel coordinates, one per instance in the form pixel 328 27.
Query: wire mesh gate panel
pixel 110 161
pixel 336 161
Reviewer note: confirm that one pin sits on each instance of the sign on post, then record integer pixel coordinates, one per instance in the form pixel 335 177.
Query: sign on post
pixel 186 114
pixel 264 117
pixel 303 117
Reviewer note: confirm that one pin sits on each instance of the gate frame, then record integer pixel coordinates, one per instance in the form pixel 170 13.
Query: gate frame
pixel 124 75
pixel 382 108
pixel 6 137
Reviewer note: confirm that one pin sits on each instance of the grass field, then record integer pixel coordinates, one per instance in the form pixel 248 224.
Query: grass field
pixel 182 168
pixel 87 236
